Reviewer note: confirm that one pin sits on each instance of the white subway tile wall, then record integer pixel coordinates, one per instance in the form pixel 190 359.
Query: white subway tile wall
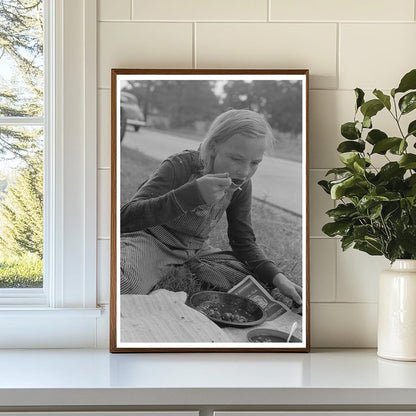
pixel 328 109
pixel 357 275
pixel 270 45
pixel 114 10
pixel 103 270
pixel 345 44
pixel 200 10
pixel 376 55
pixel 104 202
pixel 323 269
pixel 142 45
pixel 104 128
pixel 355 10
pixel 337 325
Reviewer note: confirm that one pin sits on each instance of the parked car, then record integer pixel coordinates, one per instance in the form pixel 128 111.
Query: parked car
pixel 130 113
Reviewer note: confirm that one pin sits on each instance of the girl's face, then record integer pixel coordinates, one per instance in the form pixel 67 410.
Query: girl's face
pixel 240 156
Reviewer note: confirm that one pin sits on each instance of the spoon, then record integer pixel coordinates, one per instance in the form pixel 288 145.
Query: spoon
pixel 292 330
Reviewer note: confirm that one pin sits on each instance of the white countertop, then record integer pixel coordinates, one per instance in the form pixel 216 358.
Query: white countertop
pixel 96 377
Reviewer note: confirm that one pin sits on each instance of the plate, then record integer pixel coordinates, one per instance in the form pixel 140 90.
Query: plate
pixel 226 309
pixel 270 335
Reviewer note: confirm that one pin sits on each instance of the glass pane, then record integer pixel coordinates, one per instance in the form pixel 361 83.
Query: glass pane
pixel 21 207
pixel 21 58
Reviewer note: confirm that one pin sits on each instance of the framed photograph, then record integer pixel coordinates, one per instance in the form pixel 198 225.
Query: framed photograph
pixel 209 211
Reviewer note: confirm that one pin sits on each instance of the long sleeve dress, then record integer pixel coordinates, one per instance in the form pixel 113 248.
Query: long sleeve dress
pixel 167 223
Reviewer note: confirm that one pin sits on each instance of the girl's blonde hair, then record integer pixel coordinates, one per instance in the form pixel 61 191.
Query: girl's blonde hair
pixel 245 122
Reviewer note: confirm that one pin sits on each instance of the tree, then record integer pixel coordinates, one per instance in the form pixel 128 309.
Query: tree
pixel 182 102
pixel 21 95
pixel 240 95
pixel 21 212
pixel 279 101
pixel 21 86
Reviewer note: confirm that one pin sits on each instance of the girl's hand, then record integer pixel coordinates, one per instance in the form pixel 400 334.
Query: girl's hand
pixel 288 288
pixel 213 186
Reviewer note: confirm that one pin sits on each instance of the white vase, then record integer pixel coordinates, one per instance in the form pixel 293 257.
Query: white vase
pixel 397 312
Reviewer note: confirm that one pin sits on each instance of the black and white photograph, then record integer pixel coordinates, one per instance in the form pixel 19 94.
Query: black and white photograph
pixel 209 215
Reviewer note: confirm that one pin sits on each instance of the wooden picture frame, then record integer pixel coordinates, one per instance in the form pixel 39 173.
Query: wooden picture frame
pixel 158 230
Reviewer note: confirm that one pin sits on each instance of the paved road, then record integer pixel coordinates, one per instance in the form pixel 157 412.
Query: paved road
pixel 276 180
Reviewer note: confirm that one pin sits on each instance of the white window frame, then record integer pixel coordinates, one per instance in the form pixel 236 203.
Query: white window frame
pixel 64 313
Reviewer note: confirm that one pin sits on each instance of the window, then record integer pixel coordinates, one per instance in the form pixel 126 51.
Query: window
pixel 22 132
pixel 63 313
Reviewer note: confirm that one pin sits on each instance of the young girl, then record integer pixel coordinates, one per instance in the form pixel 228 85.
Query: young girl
pixel 168 221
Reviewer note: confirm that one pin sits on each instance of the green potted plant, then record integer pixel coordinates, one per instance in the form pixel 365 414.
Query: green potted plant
pixel 376 206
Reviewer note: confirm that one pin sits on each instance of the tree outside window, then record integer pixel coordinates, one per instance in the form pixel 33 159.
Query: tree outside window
pixel 21 143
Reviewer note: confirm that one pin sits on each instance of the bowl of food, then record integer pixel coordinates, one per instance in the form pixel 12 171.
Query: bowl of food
pixel 226 309
pixel 270 335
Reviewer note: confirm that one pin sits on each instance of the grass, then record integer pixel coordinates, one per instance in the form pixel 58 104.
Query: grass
pixel 25 271
pixel 278 233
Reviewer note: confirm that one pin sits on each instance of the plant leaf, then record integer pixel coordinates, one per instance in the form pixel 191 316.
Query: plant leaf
pixel 408 102
pixel 375 136
pixel 338 171
pixel 411 182
pixel 336 228
pixel 402 147
pixel 412 201
pixel 352 187
pixel 348 158
pixel 371 108
pixel 325 186
pixel 390 170
pixel 375 211
pixel 361 231
pixel 367 122
pixel 374 242
pixel 393 250
pixel 338 189
pixel 342 211
pixel 368 201
pixel 359 94
pixel 349 131
pixel 359 165
pixel 346 242
pixel 408 161
pixel 408 82
pixel 383 145
pixel 398 149
pixel 349 146
pixel 407 239
pixel 367 248
pixel 411 130
pixel 385 99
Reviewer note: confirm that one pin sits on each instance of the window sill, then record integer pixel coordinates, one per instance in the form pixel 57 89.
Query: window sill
pixel 35 311
pixel 323 379
pixel 39 327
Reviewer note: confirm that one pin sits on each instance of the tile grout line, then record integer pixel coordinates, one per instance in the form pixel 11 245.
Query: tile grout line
pixel 310 89
pixel 338 63
pixel 194 62
pixel 131 9
pixel 308 22
pixel 345 302
pixel 322 237
pixel 269 11
pixel 336 271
